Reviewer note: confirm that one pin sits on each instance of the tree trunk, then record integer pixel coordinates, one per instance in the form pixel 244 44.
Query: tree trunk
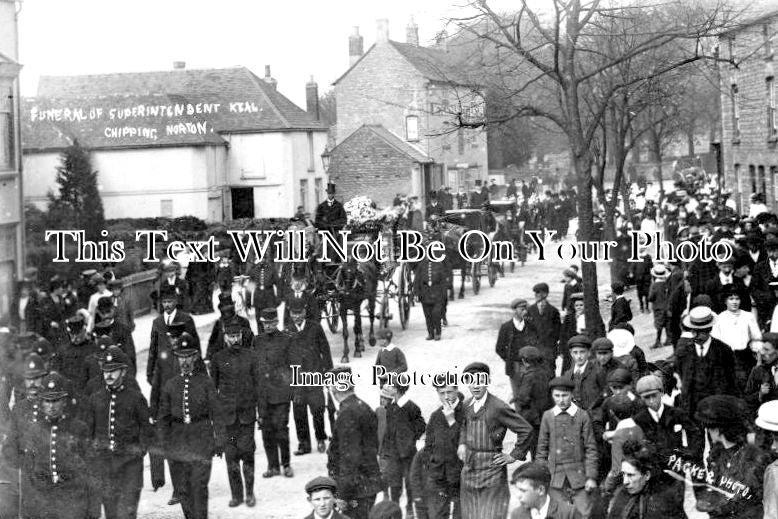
pixel 690 143
pixel 582 165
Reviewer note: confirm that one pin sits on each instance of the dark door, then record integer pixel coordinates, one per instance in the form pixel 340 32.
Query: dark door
pixel 242 202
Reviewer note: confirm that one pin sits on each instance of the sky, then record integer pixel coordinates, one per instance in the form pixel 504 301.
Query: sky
pixel 297 38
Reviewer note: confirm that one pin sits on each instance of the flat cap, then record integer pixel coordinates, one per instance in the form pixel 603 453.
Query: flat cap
pixel 530 353
pixel 321 483
pixel 619 376
pixel 649 384
pixel 602 344
pixel 579 340
pixel 476 367
pixel 518 302
pixel 384 333
pixel 269 314
pixel 540 287
pixel 719 411
pixel 561 383
pixel 534 471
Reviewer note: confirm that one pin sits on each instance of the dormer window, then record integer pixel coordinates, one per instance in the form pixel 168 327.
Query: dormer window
pixel 412 128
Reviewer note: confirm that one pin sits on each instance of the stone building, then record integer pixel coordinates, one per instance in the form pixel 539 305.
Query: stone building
pixel 217 144
pixel 11 229
pixel 405 100
pixel 748 110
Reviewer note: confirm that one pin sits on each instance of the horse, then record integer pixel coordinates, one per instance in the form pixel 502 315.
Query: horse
pixel 355 282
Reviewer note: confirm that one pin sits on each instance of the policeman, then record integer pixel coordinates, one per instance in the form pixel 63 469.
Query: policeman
pixel 266 284
pixel 94 365
pixel 430 283
pixel 352 459
pixel 235 374
pixel 228 317
pixel 274 357
pixel 310 351
pixel 28 409
pixel 97 382
pixel 299 292
pixel 70 361
pixel 190 431
pixel 12 385
pixel 330 214
pixel 118 331
pixel 119 431
pixel 321 494
pixel 51 454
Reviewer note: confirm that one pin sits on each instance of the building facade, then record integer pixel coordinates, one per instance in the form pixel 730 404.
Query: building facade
pixel 217 144
pixel 413 95
pixel 11 214
pixel 748 110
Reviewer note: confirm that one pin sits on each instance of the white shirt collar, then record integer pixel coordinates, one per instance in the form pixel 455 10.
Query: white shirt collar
pixel 300 327
pixel 170 318
pixel 403 400
pixel 656 415
pixel 478 404
pixel 705 347
pixel 576 369
pixel 519 325
pixel 725 279
pixel 389 347
pixel 570 410
pixel 542 512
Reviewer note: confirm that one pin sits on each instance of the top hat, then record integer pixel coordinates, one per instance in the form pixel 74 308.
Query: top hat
pixel 330 188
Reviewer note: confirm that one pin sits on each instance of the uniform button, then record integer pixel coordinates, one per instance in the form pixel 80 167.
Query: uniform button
pixel 113 418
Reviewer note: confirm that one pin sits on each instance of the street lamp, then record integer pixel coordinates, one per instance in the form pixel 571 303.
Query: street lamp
pixel 325 159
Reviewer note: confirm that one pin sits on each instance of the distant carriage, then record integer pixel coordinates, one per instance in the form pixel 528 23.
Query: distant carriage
pixel 510 226
pixel 452 226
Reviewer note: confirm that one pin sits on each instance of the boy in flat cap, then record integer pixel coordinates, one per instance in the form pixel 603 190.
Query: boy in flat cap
pixel 513 336
pixel 567 445
pixel 484 483
pixel 532 396
pixel 321 494
pixel 547 322
pixel 590 382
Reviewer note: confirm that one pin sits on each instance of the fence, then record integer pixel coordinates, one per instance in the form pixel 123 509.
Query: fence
pixel 137 290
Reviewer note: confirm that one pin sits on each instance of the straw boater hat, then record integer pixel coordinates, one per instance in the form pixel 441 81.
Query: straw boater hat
pixel 699 318
pixel 659 271
pixel 767 416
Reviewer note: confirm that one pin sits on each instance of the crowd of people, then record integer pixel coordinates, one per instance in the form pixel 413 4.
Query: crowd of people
pixel 600 431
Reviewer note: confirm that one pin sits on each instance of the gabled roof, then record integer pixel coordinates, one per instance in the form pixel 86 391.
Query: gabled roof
pixel 434 64
pixel 112 122
pixel 224 86
pixel 411 151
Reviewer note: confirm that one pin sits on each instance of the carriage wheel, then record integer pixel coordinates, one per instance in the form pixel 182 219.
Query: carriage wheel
pixel 407 280
pixel 492 272
pixel 404 299
pixel 475 271
pixel 333 314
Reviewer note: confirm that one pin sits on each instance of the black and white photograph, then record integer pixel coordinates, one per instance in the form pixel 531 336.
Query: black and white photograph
pixel 361 259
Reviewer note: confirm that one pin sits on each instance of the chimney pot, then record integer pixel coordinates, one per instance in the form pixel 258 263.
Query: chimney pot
pixel 356 47
pixel 268 78
pixel 312 98
pixel 412 33
pixel 382 30
pixel 179 65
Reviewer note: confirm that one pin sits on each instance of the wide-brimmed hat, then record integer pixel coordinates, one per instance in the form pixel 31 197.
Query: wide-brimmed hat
pixel 767 416
pixel 659 271
pixel 622 340
pixel 699 318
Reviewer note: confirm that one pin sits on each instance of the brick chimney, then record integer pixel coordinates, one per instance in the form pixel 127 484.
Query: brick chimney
pixel 412 33
pixel 268 78
pixel 441 40
pixel 382 30
pixel 179 65
pixel 356 47
pixel 312 98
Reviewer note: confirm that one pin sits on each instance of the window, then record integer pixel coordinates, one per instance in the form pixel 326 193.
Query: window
pixel 319 188
pixel 304 193
pixel 735 114
pixel 6 131
pixel 767 43
pixel 762 182
pixel 773 175
pixel 460 141
pixel 752 177
pixel 738 181
pixel 772 128
pixel 311 162
pixel 412 128
pixel 166 208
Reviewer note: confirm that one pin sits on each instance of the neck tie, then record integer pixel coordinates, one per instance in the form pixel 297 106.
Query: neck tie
pixel 700 350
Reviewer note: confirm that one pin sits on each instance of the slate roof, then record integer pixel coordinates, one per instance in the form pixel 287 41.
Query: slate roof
pixel 50 124
pixel 225 85
pixel 434 64
pixel 410 150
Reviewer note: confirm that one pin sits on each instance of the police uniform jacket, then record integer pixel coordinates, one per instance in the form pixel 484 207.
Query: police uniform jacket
pixel 235 375
pixel 273 355
pixel 118 424
pixel 442 441
pixel 71 362
pixel 510 341
pixel 193 435
pixel 160 343
pixel 310 350
pixel 122 337
pixel 330 214
pixel 352 459
pixel 431 281
pixel 266 279
pixel 97 383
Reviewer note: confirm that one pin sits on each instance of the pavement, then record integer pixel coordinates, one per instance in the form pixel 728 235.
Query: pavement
pixel 470 335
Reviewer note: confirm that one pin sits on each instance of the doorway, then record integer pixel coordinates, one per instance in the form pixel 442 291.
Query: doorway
pixel 242 202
